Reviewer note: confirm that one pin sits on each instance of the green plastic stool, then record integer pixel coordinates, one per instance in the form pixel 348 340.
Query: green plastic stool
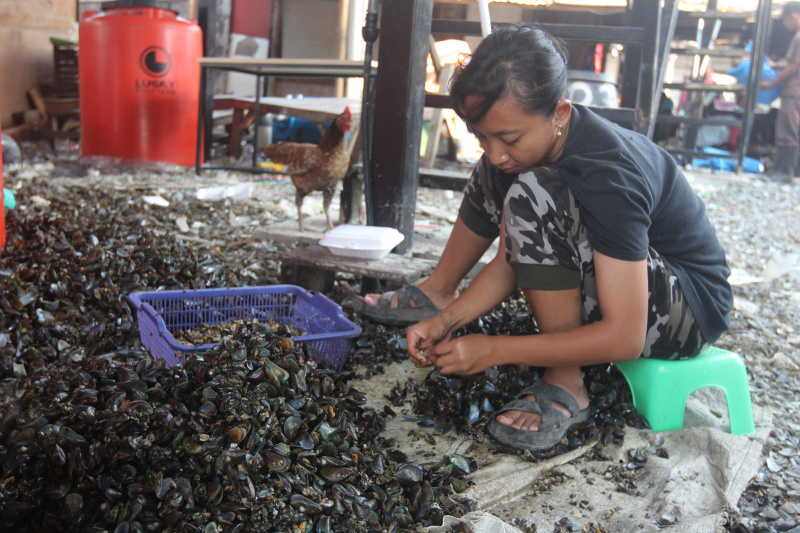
pixel 660 388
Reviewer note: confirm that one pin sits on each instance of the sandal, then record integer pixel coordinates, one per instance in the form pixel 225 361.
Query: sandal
pixel 403 314
pixel 554 424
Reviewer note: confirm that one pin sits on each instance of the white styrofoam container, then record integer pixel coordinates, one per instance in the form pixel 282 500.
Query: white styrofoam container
pixel 366 242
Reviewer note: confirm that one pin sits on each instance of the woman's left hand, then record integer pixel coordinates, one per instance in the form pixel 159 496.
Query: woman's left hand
pixel 464 355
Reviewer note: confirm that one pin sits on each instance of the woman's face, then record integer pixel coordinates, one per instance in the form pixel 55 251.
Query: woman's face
pixel 515 140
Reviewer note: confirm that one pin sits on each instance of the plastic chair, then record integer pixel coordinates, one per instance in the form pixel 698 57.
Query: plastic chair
pixel 660 388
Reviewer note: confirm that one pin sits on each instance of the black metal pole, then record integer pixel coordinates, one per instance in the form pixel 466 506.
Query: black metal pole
pixel 257 122
pixel 763 23
pixel 199 148
pixel 370 34
pixel 668 22
pixel 207 20
pixel 399 102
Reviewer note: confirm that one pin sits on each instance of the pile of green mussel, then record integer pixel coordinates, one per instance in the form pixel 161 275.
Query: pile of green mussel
pixel 250 436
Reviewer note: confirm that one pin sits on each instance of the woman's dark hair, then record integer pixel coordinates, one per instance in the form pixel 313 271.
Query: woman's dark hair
pixel 522 61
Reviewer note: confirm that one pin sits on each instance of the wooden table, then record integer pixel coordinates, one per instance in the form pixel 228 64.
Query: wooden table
pixel 282 66
pixel 313 268
pixel 272 67
pixel 319 110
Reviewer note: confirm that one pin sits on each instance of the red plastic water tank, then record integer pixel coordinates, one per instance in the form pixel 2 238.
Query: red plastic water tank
pixel 139 83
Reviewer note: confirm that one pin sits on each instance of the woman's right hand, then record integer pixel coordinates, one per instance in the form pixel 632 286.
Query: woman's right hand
pixel 423 336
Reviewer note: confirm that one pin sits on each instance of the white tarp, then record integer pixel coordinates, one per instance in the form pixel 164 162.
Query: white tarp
pixel 700 482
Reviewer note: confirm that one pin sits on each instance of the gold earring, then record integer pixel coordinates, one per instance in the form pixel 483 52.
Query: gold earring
pixel 558 133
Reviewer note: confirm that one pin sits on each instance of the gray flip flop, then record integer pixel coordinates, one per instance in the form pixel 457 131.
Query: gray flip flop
pixel 403 314
pixel 554 424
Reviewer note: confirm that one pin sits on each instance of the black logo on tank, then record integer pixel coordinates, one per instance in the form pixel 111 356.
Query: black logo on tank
pixel 155 61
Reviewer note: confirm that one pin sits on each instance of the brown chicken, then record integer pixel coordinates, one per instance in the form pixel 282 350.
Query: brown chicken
pixel 316 167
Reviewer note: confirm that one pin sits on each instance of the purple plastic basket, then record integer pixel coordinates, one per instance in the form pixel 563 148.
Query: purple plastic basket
pixel 327 332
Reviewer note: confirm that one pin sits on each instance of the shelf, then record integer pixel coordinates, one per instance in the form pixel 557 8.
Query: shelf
pixel 701 121
pixel 713 52
pixel 707 87
pixel 301 68
pixel 724 15
pixel 698 154
pixel 568 32
pixel 443 179
pixel 619 115
pixel 697 105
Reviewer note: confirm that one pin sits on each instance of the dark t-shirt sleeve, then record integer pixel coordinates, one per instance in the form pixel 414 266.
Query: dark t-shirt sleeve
pixel 619 221
pixel 476 223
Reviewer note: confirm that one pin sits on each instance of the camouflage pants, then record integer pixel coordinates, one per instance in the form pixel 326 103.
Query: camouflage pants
pixel 544 226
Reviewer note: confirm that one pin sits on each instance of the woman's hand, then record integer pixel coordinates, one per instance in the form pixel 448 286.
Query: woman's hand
pixel 423 336
pixel 465 355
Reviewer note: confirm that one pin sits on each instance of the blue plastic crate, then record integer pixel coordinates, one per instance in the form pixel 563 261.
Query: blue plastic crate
pixel 160 313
